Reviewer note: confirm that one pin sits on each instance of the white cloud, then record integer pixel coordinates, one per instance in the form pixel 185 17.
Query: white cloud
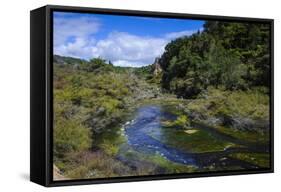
pixel 76 27
pixel 75 37
pixel 175 35
pixel 126 63
pixel 123 48
pixel 80 48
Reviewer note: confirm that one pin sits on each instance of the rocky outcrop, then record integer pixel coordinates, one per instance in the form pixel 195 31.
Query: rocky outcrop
pixel 57 174
pixel 157 67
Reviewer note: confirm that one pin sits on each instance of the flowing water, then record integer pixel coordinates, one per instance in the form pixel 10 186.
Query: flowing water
pixel 146 134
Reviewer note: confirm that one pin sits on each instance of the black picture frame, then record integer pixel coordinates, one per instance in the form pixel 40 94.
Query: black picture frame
pixel 41 109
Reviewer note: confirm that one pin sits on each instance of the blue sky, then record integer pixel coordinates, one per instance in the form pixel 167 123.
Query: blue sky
pixel 124 40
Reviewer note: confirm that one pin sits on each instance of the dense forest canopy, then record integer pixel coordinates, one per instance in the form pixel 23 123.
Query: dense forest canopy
pixel 228 54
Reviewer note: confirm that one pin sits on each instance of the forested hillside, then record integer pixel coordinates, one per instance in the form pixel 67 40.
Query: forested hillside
pixel 234 56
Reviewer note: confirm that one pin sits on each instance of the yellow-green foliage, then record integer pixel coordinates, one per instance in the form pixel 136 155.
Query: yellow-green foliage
pixel 109 104
pixel 109 147
pixel 181 121
pixel 249 104
pixel 69 136
pixel 82 94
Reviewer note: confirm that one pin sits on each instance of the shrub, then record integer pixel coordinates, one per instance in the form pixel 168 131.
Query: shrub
pixel 69 136
pixel 181 121
pixel 109 148
pixel 252 104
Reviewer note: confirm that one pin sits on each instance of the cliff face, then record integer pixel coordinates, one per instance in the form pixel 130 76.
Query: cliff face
pixel 157 67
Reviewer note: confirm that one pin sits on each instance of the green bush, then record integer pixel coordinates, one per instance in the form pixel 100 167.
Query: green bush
pixel 253 104
pixel 109 148
pixel 70 136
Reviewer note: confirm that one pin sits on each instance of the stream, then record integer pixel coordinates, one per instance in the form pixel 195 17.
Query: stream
pixel 146 134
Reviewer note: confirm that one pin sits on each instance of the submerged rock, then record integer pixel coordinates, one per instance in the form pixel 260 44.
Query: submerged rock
pixel 191 131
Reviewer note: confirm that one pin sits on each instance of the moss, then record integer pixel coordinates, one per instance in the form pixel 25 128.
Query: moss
pixel 158 161
pixel 248 136
pixel 170 167
pixel 182 122
pixel 198 142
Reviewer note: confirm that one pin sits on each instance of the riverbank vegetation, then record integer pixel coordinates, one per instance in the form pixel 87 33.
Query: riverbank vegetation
pixel 218 78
